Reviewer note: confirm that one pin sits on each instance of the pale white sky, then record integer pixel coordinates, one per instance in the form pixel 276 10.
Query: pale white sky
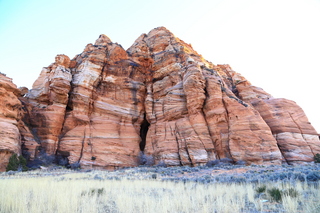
pixel 275 44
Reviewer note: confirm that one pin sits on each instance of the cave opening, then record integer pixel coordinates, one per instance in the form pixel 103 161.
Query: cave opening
pixel 143 132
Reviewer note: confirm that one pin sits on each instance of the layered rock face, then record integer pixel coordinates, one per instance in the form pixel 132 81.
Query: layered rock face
pixel 10 108
pixel 46 104
pixel 194 115
pixel 297 140
pixel 160 97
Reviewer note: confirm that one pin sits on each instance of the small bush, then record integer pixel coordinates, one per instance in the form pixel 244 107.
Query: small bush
pixel 92 192
pixel 313 176
pixel 226 160
pixel 241 162
pixel 43 159
pixel 161 164
pixel 17 163
pixel 75 166
pixel 146 160
pixel 275 194
pixel 212 163
pixel 46 159
pixel 317 158
pixel 261 189
pixel 62 161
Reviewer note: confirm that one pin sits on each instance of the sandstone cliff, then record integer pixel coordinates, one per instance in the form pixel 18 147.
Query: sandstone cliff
pixel 160 97
pixel 10 108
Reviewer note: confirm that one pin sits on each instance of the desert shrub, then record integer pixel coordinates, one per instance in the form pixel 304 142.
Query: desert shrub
pixel 275 194
pixel 317 158
pixel 75 166
pixel 97 177
pixel 212 163
pixel 161 164
pixel 146 160
pixel 313 176
pixel 261 189
pixel 47 159
pixel 299 176
pixel 62 161
pixel 43 159
pixel 17 163
pixel 34 164
pixel 92 192
pixel 241 162
pixel 226 160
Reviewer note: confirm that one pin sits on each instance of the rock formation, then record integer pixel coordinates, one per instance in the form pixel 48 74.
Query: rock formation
pixel 10 107
pixel 161 98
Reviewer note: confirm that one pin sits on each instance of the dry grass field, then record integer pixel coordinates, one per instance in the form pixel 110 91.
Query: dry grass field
pixel 150 189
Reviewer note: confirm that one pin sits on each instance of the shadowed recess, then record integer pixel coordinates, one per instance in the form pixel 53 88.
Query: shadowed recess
pixel 143 132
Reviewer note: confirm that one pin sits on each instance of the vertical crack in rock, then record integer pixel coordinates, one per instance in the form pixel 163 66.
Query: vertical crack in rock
pixel 188 154
pixel 62 133
pixel 227 118
pixel 205 120
pixel 82 144
pixel 279 147
pixel 178 147
pixel 143 132
pixel 90 142
pixel 301 132
pixel 181 148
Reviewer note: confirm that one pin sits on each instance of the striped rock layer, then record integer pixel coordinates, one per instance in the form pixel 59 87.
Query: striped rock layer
pixel 161 98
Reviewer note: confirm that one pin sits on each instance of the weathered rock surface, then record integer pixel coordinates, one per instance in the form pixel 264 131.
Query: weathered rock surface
pixel 195 117
pixel 160 97
pixel 46 104
pixel 297 140
pixel 10 107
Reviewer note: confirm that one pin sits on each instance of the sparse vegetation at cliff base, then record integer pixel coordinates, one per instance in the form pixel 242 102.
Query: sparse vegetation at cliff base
pixel 223 188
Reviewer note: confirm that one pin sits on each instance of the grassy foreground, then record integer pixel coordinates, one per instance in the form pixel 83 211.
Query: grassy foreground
pixel 152 190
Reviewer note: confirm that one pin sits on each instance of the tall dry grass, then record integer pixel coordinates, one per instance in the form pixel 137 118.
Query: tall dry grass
pixel 80 192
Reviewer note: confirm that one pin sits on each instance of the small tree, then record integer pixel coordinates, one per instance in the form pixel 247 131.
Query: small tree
pixel 17 163
pixel 317 158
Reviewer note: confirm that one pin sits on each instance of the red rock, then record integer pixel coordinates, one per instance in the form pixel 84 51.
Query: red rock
pixel 105 108
pixel 193 114
pixel 106 105
pixel 46 102
pixel 297 140
pixel 10 107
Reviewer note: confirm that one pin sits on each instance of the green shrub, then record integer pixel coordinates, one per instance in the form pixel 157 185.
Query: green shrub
pixel 92 192
pixel 261 189
pixel 317 158
pixel 17 163
pixel 275 194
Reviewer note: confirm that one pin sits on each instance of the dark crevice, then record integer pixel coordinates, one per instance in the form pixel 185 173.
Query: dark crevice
pixel 68 108
pixel 143 132
pixel 227 151
pixel 82 146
